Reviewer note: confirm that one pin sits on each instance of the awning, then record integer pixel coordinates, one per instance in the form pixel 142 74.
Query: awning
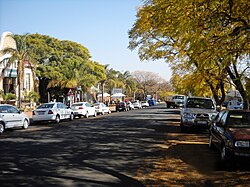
pixel 118 95
pixel 104 95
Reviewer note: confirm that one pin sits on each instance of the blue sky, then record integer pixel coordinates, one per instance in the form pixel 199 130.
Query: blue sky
pixel 100 25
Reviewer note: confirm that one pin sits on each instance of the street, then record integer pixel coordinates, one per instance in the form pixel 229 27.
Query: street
pixel 136 148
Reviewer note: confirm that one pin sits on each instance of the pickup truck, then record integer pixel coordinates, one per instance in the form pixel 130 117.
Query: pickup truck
pixel 176 101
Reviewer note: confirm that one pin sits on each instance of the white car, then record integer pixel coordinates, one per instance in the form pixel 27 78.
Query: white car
pixel 54 111
pixel 144 104
pixel 101 108
pixel 83 109
pixel 137 104
pixel 11 117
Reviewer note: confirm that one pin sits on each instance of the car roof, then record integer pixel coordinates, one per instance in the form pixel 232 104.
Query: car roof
pixel 196 97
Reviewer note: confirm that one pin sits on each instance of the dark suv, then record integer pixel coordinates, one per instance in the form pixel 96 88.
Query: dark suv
pixel 122 106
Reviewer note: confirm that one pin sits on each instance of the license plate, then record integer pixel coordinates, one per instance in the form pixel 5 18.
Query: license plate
pixel 201 122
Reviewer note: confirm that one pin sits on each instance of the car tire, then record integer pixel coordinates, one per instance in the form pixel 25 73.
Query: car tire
pixel 2 128
pixel 95 114
pixel 25 124
pixel 183 128
pixel 102 112
pixel 223 154
pixel 109 112
pixel 57 120
pixel 71 117
pixel 210 142
pixel 87 115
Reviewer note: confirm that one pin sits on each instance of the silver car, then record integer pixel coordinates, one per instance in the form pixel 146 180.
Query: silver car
pixel 11 117
pixel 54 111
pixel 197 112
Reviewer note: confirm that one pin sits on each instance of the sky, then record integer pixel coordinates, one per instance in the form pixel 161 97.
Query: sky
pixel 99 25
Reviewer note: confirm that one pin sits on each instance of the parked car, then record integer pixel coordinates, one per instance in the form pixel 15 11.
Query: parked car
pixel 101 108
pixel 130 105
pixel 137 104
pixel 230 134
pixel 197 112
pixel 53 111
pixel 11 117
pixel 85 109
pixel 234 104
pixel 122 106
pixel 144 104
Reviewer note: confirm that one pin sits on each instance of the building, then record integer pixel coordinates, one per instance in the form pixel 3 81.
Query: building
pixel 8 80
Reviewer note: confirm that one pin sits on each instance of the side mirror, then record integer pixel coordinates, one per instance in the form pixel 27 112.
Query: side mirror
pixel 218 108
pixel 219 124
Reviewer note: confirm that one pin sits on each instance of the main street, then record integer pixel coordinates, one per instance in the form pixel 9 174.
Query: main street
pixel 135 148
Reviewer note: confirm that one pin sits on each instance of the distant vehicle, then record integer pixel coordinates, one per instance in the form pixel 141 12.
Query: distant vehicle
pixel 53 111
pixel 234 104
pixel 122 106
pixel 101 108
pixel 130 105
pixel 137 104
pixel 85 109
pixel 144 104
pixel 11 117
pixel 175 101
pixel 230 134
pixel 197 112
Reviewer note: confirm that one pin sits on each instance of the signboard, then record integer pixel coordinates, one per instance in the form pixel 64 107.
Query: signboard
pixel 117 90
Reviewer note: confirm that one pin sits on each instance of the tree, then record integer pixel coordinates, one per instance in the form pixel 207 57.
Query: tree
pixel 63 64
pixel 21 56
pixel 147 82
pixel 212 37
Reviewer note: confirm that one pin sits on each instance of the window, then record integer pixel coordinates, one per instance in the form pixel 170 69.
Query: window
pixel 27 81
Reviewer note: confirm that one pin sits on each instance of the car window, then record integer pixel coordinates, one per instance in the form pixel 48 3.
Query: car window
pixel 87 105
pixel 4 109
pixel 49 105
pixel 13 109
pixel 200 103
pixel 223 118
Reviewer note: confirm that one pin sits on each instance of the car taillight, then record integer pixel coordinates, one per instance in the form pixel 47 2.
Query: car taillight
pixel 33 113
pixel 80 107
pixel 50 112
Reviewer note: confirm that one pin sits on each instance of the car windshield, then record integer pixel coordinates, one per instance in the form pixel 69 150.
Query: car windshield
pixel 77 104
pixel 239 120
pixel 179 97
pixel 199 103
pixel 49 105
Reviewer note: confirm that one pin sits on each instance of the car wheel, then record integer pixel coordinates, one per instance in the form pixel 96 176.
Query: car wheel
pixel 210 142
pixel 183 128
pixel 86 115
pixel 95 114
pixel 102 113
pixel 109 112
pixel 1 128
pixel 71 117
pixel 223 154
pixel 57 120
pixel 25 124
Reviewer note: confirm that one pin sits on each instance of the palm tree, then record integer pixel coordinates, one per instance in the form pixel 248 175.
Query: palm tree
pixel 20 56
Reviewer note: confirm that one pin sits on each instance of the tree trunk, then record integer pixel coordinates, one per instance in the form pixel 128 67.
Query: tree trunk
pixel 239 87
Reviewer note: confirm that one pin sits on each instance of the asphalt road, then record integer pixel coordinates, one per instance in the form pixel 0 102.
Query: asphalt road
pixel 135 148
